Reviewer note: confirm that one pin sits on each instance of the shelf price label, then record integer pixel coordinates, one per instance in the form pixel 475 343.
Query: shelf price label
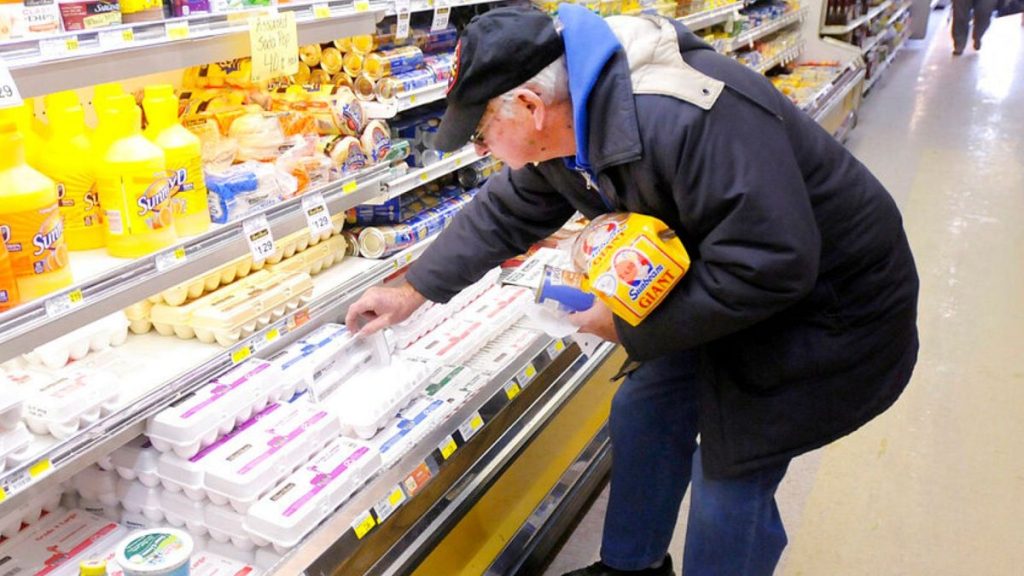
pixel 363 524
pixel 362 5
pixel 447 447
pixel 556 348
pixel 470 427
pixel 317 216
pixel 511 389
pixel 387 506
pixel 242 354
pixel 403 12
pixel 527 375
pixel 58 305
pixel 272 335
pixel 259 237
pixel 442 12
pixel 9 94
pixel 401 261
pixel 55 47
pixel 177 30
pixel 417 479
pixel 349 187
pixel 274 43
pixel 321 11
pixel 111 39
pixel 170 259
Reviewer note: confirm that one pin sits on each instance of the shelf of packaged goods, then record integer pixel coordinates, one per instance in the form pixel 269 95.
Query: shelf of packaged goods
pixel 88 57
pixel 847 28
pixel 877 74
pixel 898 13
pixel 420 176
pixel 748 38
pixel 162 369
pixel 107 285
pixel 872 43
pixel 710 17
pixel 407 101
pixel 389 8
pixel 786 56
pixel 434 486
pixel 834 93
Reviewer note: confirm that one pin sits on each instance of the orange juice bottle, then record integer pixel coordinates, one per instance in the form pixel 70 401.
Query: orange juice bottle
pixel 30 221
pixel 183 151
pixel 8 282
pixel 134 190
pixel 68 162
pixel 51 103
pixel 22 117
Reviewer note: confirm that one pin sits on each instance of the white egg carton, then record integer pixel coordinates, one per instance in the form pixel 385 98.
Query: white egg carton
pixel 372 396
pixel 138 498
pixel 227 525
pixel 182 511
pixel 213 410
pixel 409 427
pixel 455 384
pixel 136 521
pixel 75 400
pixel 501 351
pixel 98 336
pixel 195 287
pixel 29 512
pixel 188 475
pixel 315 259
pixel 137 460
pixel 452 343
pixel 500 305
pixel 60 542
pixel 97 485
pixel 430 315
pixel 11 402
pixel 15 446
pixel 110 512
pixel 139 318
pixel 253 462
pixel 236 311
pixel 323 359
pixel 206 563
pixel 311 493
pixel 230 551
pixel 266 558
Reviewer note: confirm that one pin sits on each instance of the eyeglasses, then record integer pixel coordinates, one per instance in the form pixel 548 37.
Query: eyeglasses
pixel 478 136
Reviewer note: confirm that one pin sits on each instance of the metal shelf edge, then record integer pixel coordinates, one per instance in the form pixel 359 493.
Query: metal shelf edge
pixel 419 177
pixel 763 30
pixel 847 28
pixel 709 17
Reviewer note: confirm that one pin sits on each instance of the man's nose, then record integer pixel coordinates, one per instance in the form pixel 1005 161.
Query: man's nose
pixel 481 148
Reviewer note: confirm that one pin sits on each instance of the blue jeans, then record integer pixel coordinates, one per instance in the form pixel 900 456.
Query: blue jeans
pixel 734 527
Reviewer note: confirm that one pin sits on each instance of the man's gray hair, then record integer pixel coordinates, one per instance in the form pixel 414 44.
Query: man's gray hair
pixel 551 84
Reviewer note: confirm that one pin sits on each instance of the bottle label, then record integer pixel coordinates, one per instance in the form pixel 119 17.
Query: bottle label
pixel 187 184
pixel 146 206
pixel 79 205
pixel 35 240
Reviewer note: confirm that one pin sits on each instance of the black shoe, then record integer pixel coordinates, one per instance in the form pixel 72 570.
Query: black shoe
pixel 601 569
pixel 977 44
pixel 958 51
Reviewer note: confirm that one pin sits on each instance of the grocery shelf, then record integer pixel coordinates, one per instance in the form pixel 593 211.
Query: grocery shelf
pixel 710 17
pixel 513 407
pixel 897 14
pixel 747 38
pixel 784 57
pixel 407 101
pixel 88 57
pixel 162 369
pixel 833 94
pixel 872 43
pixel 880 71
pixel 837 30
pixel 116 283
pixel 420 176
pixel 425 5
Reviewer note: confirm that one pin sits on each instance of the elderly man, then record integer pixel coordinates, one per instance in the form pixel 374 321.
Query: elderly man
pixel 796 323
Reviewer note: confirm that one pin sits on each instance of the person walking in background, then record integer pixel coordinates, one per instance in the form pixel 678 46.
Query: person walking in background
pixel 962 10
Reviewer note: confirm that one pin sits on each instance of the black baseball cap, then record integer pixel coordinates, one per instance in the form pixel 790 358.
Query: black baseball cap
pixel 497 51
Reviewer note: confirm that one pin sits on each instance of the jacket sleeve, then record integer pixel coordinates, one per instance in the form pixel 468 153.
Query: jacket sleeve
pixel 513 210
pixel 742 197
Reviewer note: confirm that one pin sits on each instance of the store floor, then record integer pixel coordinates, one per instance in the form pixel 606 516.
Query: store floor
pixel 934 487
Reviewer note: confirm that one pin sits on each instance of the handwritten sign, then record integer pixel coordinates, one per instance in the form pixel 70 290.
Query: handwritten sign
pixel 274 42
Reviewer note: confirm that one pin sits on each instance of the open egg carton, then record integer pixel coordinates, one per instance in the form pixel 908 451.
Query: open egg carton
pixel 323 359
pixel 236 311
pixel 198 419
pixel 408 428
pixel 372 396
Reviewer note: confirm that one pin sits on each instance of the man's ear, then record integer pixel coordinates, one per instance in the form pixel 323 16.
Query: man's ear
pixel 534 105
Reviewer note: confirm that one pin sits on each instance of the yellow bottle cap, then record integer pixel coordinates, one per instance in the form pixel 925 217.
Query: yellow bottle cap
pixel 92 568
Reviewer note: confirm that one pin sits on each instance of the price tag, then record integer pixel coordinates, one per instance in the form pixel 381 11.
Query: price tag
pixel 317 215
pixel 110 39
pixel 242 354
pixel 40 469
pixel 274 44
pixel 556 348
pixel 362 5
pixel 58 305
pixel 512 389
pixel 470 427
pixel 272 335
pixel 389 504
pixel 415 481
pixel 349 187
pixel 17 483
pixel 9 94
pixel 300 318
pixel 425 176
pixel 321 11
pixel 177 30
pixel 403 12
pixel 363 524
pixel 261 241
pixel 55 47
pixel 441 14
pixel 447 447
pixel 401 261
pixel 3 494
pixel 527 374
pixel 170 259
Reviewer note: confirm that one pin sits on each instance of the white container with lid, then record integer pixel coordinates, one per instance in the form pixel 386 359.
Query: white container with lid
pixel 157 552
pixel 284 516
pixel 196 421
pixel 251 463
pixel 501 351
pixel 372 396
pixel 137 460
pixel 75 400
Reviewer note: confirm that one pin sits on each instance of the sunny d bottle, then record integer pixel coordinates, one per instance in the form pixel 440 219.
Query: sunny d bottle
pixel 68 162
pixel 135 192
pixel 22 116
pixel 183 151
pixel 30 221
pixel 8 281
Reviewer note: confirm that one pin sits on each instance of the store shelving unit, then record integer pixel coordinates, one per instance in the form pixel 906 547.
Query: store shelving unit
pixel 874 12
pixel 750 36
pixel 415 178
pixel 784 57
pixel 711 17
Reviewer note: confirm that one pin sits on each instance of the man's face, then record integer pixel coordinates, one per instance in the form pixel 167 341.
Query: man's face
pixel 508 132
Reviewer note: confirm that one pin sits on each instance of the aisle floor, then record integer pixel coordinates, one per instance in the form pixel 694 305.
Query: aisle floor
pixel 936 485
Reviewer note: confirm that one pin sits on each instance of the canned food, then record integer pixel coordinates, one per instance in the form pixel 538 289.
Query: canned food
pixel 331 61
pixel 393 62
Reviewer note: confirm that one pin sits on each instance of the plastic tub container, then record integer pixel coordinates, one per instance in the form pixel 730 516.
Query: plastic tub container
pixel 157 552
pixel 137 460
pixel 253 462
pixel 375 394
pixel 179 474
pixel 71 402
pixel 312 493
pixel 108 331
pixel 196 421
pixel 140 499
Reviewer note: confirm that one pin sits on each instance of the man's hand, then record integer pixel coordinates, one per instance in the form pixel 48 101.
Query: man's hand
pixel 597 321
pixel 381 307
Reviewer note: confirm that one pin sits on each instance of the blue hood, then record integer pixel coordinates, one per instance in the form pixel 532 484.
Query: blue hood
pixel 589 44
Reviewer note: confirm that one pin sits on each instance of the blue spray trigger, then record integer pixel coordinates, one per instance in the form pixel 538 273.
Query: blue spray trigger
pixel 570 298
